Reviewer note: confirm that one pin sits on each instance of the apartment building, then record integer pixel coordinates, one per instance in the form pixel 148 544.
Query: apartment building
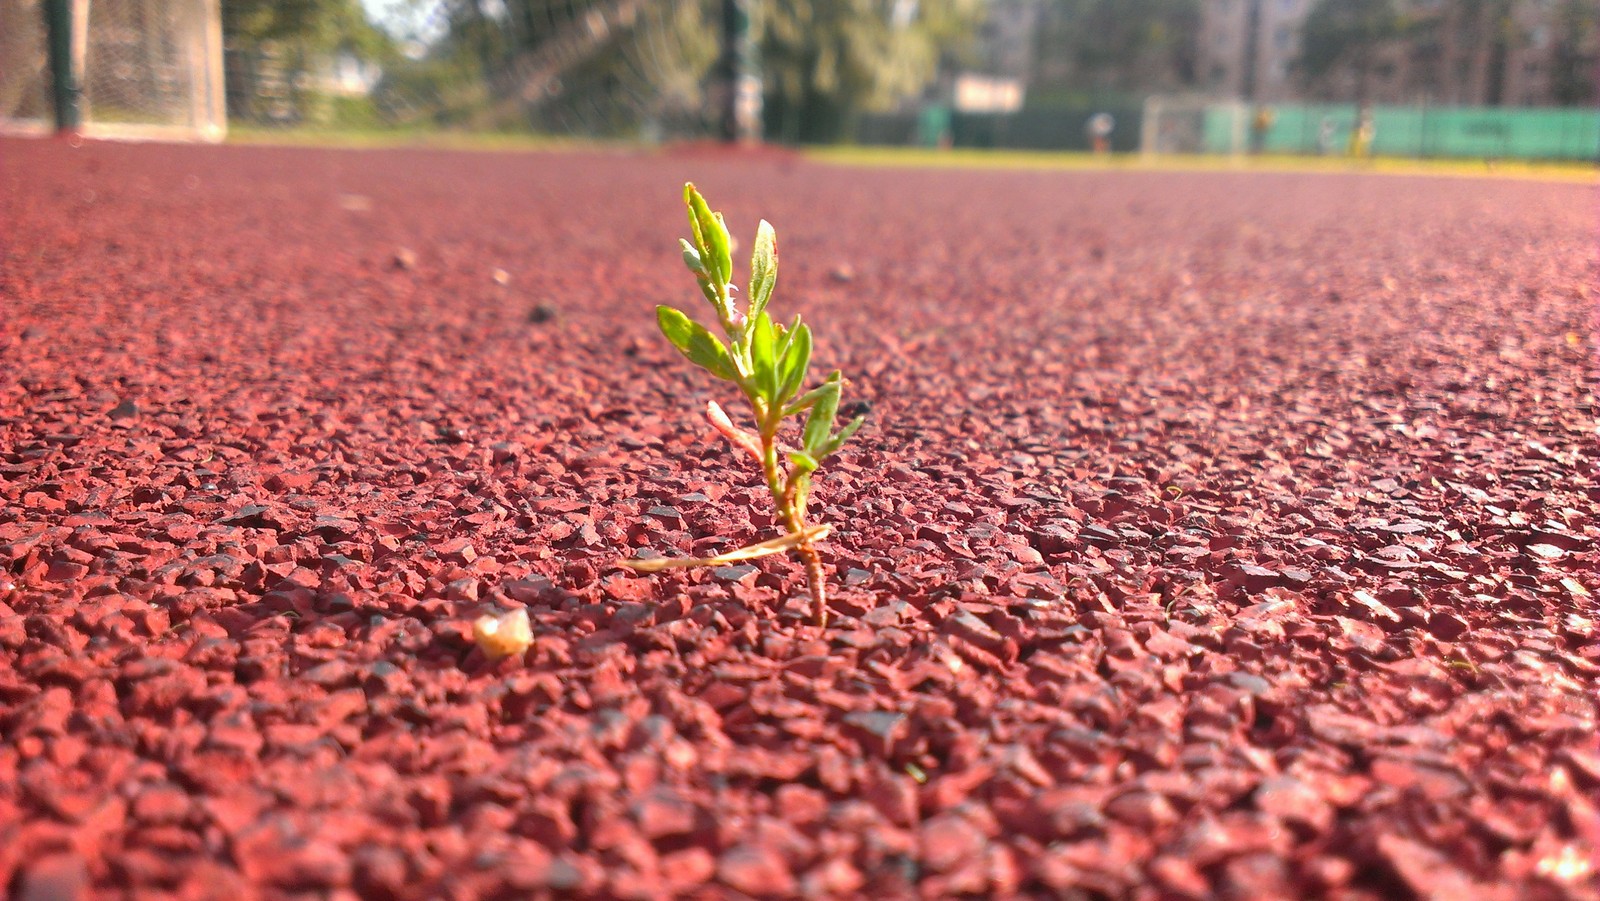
pixel 1448 52
pixel 1247 48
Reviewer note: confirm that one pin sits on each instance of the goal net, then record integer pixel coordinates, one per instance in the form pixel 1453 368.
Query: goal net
pixel 144 68
pixel 24 68
pixel 1192 125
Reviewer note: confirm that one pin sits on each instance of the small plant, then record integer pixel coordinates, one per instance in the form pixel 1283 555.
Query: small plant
pixel 768 362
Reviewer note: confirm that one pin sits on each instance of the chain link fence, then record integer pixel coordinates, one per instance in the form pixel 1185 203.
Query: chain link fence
pixel 141 68
pixel 25 103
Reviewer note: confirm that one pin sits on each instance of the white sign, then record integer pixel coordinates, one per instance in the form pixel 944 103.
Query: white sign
pixel 987 94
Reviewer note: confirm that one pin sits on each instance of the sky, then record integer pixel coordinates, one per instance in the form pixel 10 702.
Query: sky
pixel 417 19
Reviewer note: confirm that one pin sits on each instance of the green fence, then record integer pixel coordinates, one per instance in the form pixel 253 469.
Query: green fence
pixel 1472 132
pixel 1029 129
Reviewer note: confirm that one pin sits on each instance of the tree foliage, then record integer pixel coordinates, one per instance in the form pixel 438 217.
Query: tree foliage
pixel 822 61
pixel 1340 33
pixel 826 61
pixel 277 43
pixel 598 66
pixel 1449 46
pixel 310 26
pixel 1104 46
pixel 1573 67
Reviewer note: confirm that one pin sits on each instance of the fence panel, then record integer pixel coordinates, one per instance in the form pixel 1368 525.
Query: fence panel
pixel 1461 132
pixel 1305 129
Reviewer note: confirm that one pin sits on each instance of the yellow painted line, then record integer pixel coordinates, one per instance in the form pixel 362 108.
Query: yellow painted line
pixel 915 158
pixel 412 140
pixel 961 158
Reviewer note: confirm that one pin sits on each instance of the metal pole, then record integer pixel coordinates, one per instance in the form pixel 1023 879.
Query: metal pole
pixel 1250 77
pixel 741 113
pixel 66 89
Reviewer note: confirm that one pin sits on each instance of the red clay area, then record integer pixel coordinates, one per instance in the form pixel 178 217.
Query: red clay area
pixel 1213 535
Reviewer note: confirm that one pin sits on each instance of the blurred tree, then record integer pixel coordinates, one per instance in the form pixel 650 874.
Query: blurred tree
pixel 1101 48
pixel 324 25
pixel 824 62
pixel 1575 59
pixel 273 45
pixel 1487 33
pixel 1340 33
pixel 612 67
pixel 1469 52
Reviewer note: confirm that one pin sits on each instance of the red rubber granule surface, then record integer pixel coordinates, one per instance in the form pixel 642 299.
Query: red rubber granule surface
pixel 1214 535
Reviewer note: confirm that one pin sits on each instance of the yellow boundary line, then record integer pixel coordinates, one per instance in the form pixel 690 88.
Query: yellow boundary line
pixel 965 158
pixel 417 140
pixel 962 158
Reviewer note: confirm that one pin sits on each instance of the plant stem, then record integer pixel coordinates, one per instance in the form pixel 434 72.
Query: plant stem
pixel 783 495
pixel 807 552
pixel 819 594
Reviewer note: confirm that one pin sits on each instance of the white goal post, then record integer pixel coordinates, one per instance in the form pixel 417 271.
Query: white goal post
pixel 144 69
pixel 1190 125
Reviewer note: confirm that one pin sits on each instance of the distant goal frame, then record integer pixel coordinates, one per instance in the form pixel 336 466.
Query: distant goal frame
pixel 1184 124
pixel 113 69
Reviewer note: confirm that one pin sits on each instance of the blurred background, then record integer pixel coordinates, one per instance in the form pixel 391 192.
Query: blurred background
pixel 1494 79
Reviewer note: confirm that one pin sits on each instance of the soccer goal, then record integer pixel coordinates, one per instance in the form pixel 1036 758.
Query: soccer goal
pixel 137 69
pixel 1186 125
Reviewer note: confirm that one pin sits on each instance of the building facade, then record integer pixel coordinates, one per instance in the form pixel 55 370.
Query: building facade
pixel 1248 48
pixel 1446 52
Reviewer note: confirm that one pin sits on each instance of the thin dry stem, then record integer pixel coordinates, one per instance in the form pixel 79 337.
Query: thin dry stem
pixel 749 552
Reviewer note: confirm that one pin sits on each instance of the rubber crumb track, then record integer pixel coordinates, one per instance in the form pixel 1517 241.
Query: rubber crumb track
pixel 1214 535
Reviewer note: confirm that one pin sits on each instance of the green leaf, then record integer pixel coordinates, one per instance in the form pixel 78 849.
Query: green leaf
pixel 690 195
pixel 763 267
pixel 819 424
pixel 711 293
pixel 785 335
pixel 803 462
pixel 691 257
pixel 710 235
pixel 806 401
pixel 762 351
pixel 696 342
pixel 837 441
pixel 792 366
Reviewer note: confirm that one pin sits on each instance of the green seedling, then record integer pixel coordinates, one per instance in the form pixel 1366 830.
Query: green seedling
pixel 768 362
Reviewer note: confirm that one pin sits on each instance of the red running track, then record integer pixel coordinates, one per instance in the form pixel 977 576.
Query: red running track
pixel 1215 535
